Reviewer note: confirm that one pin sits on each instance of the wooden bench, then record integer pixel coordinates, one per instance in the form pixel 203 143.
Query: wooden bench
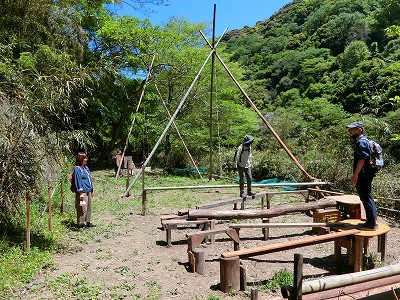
pixel 174 223
pixel 196 254
pixel 230 276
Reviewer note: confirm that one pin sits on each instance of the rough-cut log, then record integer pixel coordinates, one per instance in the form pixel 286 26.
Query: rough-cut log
pixel 258 213
pixel 349 279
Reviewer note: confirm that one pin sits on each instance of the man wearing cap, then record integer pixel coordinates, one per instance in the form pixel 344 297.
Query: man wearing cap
pixel 243 163
pixel 363 174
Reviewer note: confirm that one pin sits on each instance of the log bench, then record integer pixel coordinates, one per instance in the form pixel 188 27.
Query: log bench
pixel 169 225
pixel 196 254
pixel 230 276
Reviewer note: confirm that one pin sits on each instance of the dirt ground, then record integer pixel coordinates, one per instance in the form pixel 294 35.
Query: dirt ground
pixel 126 257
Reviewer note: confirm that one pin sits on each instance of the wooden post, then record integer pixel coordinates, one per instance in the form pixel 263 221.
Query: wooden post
pixel 144 198
pixel 243 278
pixel 297 277
pixel 200 261
pixel 28 222
pixel 127 184
pixel 229 274
pixel 254 293
pixel 265 231
pixel 49 204
pixel 61 197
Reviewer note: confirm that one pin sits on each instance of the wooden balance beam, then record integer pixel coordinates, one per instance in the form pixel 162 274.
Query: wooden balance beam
pixel 266 226
pixel 230 261
pixel 196 254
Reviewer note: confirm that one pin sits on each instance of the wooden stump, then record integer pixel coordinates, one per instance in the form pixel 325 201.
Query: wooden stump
pixel 199 260
pixel 229 274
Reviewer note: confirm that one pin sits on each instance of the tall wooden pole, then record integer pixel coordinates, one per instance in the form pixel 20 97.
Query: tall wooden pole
pixel 61 197
pixel 49 205
pixel 28 222
pixel 211 97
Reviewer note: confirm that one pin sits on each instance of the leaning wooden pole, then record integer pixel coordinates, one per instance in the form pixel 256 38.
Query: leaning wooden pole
pixel 134 119
pixel 308 176
pixel 258 213
pixel 170 121
pixel 177 131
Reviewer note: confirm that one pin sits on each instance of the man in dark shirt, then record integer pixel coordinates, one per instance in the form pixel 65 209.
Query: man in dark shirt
pixel 363 174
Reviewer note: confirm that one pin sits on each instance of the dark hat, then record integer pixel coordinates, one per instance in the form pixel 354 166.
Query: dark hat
pixel 248 139
pixel 355 125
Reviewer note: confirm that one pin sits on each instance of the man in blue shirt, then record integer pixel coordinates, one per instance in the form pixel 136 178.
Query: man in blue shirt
pixel 363 174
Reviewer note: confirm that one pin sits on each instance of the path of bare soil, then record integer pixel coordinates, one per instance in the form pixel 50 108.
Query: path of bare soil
pixel 125 257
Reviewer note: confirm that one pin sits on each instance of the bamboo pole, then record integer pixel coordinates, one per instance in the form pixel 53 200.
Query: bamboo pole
pixel 272 185
pixel 134 119
pixel 331 282
pixel 177 131
pixel 376 289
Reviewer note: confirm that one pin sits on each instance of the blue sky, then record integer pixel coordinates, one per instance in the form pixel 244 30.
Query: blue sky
pixel 234 14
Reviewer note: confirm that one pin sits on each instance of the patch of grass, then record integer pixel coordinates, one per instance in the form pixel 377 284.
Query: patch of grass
pixel 69 285
pixel 280 278
pixel 19 267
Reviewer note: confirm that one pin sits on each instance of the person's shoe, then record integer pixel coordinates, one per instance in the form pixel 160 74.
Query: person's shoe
pixel 365 226
pixel 83 227
pixel 251 193
pixel 90 225
pixel 243 195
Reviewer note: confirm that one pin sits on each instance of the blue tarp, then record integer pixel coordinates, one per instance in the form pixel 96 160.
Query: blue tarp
pixel 189 171
pixel 274 180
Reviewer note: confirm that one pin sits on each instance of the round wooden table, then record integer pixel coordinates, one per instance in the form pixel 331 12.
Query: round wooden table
pixel 358 247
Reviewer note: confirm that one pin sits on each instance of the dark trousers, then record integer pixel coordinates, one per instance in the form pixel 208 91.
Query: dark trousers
pixel 364 190
pixel 242 173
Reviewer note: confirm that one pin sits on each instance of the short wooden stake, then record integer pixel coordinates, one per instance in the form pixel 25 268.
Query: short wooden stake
pixel 243 278
pixel 254 293
pixel 265 231
pixel 298 277
pixel 229 274
pixel 200 261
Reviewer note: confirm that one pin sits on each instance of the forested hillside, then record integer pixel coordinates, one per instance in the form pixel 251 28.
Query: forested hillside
pixel 315 65
pixel 73 76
